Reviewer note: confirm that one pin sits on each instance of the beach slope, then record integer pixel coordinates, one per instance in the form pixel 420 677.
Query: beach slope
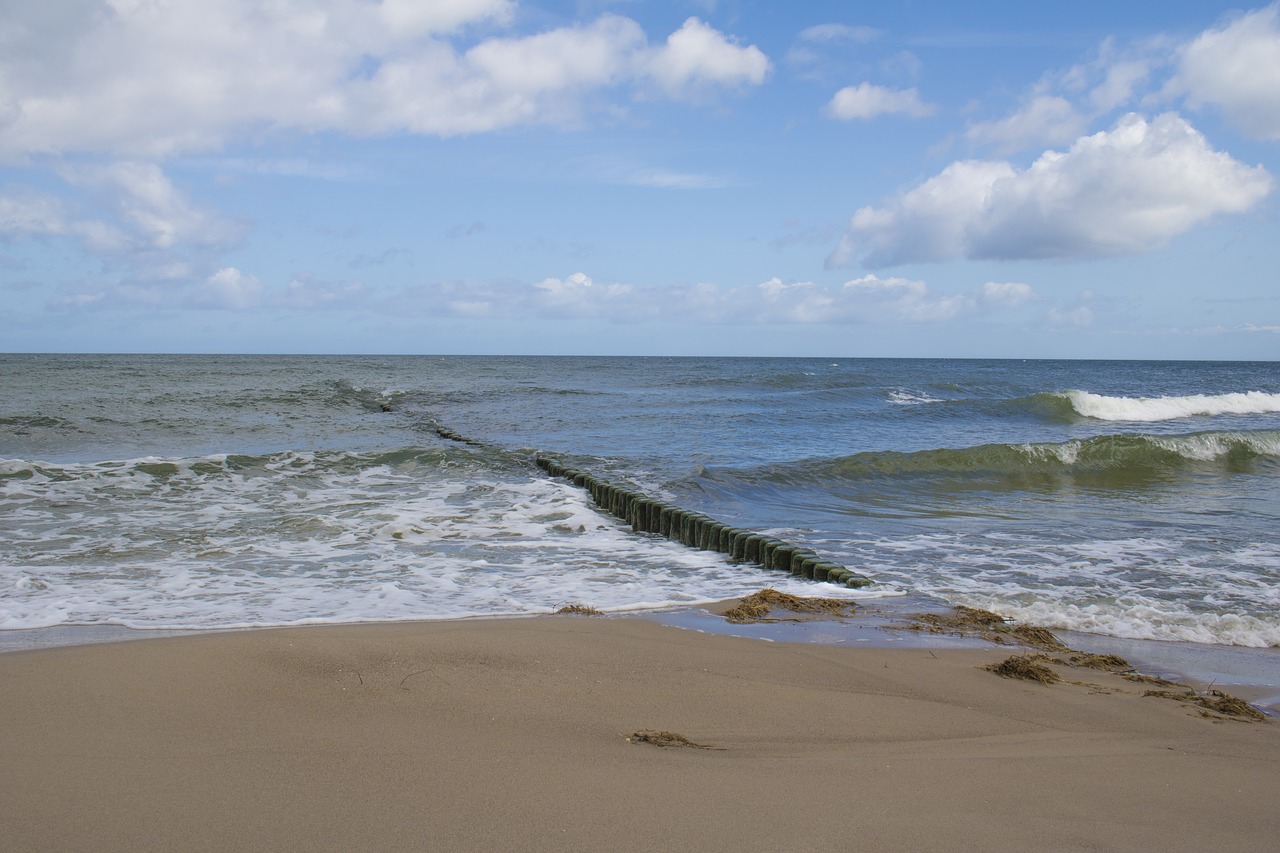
pixel 547 734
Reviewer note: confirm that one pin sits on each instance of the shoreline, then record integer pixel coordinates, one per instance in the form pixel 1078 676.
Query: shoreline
pixel 1251 673
pixel 542 734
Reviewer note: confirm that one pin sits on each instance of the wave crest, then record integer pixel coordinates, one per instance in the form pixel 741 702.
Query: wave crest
pixel 1148 409
pixel 1122 459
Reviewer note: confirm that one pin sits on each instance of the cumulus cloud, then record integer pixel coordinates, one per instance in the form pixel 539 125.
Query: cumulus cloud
pixel 1063 104
pixel 697 55
pixel 1116 192
pixel 227 288
pixel 151 80
pixel 1232 68
pixel 1008 293
pixel 1236 68
pixel 577 296
pixel 866 100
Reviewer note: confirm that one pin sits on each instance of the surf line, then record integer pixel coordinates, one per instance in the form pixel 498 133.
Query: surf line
pixel 692 529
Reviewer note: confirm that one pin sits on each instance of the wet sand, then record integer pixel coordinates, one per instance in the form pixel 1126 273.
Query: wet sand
pixel 521 734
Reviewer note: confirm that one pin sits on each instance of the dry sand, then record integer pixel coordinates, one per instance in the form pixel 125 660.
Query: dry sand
pixel 513 734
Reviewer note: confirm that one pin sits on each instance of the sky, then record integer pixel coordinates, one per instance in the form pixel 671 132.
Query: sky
pixel 847 179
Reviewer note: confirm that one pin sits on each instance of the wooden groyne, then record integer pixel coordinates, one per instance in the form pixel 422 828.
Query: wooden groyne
pixel 696 530
pixel 693 529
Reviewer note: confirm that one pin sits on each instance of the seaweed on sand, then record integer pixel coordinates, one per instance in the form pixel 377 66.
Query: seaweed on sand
pixel 975 622
pixel 580 610
pixel 1215 701
pixel 1034 635
pixel 665 740
pixel 1088 660
pixel 1027 667
pixel 757 606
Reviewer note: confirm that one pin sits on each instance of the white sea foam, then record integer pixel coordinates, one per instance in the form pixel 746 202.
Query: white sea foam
pixel 306 538
pixel 1149 409
pixel 1136 617
pixel 1151 588
pixel 903 397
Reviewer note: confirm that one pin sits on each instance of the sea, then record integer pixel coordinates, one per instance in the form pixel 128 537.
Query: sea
pixel 1125 499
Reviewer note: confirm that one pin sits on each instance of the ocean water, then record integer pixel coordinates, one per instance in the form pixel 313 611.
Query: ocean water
pixel 1131 499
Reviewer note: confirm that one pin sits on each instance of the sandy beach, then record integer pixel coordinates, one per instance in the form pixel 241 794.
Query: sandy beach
pixel 522 734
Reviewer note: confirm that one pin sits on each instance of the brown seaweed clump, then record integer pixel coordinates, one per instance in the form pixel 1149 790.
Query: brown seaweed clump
pixel 580 610
pixel 1214 700
pixel 1022 666
pixel 1034 635
pixel 960 619
pixel 1088 660
pixel 992 627
pixel 757 606
pixel 666 740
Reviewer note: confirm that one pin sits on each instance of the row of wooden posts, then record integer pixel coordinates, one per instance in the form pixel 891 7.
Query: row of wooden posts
pixel 696 530
pixel 647 515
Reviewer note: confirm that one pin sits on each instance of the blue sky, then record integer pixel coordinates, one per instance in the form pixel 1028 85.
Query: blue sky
pixel 941 179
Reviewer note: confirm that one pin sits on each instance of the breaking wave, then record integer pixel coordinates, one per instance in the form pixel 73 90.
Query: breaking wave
pixel 1149 409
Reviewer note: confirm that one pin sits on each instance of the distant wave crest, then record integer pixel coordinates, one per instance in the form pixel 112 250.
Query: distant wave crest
pixel 903 397
pixel 1119 460
pixel 1147 409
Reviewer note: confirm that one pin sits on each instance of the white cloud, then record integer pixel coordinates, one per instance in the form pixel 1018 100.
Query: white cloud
pixel 1233 67
pixel 598 54
pixel 155 212
pixel 578 296
pixel 906 300
pixel 778 302
pixel 440 16
pixel 1008 293
pixel 1063 104
pixel 824 49
pixel 149 80
pixel 227 288
pixel 143 212
pixel 866 300
pixel 1081 315
pixel 1236 68
pixel 31 215
pixel 696 55
pixel 828 33
pixel 866 100
pixel 1116 192
pixel 1044 120
pixel 1121 79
